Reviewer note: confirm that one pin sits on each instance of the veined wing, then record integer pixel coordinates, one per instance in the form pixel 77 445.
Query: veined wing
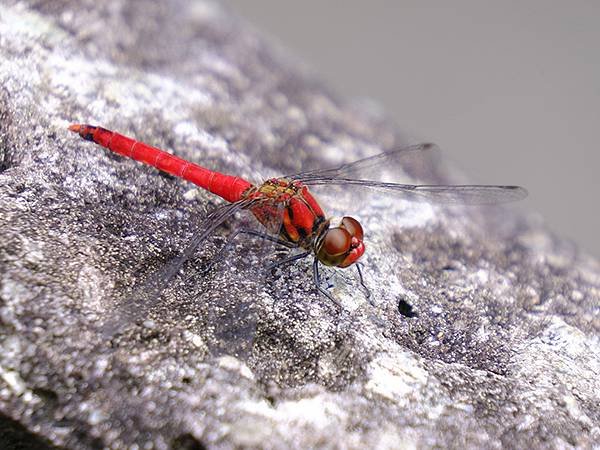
pixel 476 194
pixel 469 194
pixel 361 165
pixel 148 294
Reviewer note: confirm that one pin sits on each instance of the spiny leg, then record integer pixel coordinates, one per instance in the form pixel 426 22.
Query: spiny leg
pixel 362 283
pixel 288 260
pixel 340 321
pixel 317 281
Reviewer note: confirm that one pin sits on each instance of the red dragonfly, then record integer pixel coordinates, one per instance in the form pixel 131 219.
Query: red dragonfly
pixel 286 208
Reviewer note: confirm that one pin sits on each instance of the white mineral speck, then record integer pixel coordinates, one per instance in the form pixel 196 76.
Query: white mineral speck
pixel 13 380
pixel 395 376
pixel 231 363
pixel 197 341
pixel 150 324
pixel 483 276
pixel 436 309
pixel 316 410
pixel 577 295
pixel 96 416
pixel 101 365
pixel 191 194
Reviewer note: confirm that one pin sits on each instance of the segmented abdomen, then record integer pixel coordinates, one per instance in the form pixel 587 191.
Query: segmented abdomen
pixel 227 187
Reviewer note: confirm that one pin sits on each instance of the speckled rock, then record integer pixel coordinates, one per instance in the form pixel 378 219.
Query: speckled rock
pixel 484 328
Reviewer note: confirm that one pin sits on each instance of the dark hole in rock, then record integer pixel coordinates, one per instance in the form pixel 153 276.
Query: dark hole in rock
pixel 97 444
pixel 4 163
pixel 271 400
pixel 5 154
pixel 406 309
pixel 48 395
pixel 15 436
pixel 5 122
pixel 187 442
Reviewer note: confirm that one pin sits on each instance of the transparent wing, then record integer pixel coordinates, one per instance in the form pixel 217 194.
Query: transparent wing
pixel 470 194
pixel 232 309
pixel 362 165
pixel 433 193
pixel 148 294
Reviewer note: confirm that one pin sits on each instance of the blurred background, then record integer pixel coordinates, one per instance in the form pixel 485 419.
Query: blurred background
pixel 509 90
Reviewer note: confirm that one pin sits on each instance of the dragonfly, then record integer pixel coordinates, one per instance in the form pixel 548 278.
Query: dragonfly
pixel 290 214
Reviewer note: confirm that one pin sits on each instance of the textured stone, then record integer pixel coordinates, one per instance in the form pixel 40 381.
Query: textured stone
pixel 485 327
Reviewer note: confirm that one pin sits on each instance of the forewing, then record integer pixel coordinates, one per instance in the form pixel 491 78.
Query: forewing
pixel 466 194
pixel 420 160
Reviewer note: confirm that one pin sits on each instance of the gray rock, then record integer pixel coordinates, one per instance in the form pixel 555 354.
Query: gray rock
pixel 484 331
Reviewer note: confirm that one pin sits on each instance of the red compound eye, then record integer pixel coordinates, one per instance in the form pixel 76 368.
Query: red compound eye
pixel 353 227
pixel 337 241
pixel 342 246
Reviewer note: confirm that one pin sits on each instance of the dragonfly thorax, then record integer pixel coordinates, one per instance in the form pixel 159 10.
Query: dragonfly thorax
pixel 288 207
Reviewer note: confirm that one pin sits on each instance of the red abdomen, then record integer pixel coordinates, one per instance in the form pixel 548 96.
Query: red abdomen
pixel 227 187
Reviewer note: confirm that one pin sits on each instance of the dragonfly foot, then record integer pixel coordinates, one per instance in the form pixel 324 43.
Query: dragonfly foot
pixel 323 291
pixel 363 285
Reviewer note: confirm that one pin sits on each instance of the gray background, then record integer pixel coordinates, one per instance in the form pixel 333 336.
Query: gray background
pixel 510 90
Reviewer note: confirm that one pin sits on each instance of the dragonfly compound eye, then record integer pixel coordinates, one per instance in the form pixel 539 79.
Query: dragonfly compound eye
pixel 340 247
pixel 353 227
pixel 337 241
pixel 335 245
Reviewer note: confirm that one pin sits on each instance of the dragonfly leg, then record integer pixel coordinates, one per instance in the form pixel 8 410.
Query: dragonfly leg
pixel 362 283
pixel 288 260
pixel 219 256
pixel 317 280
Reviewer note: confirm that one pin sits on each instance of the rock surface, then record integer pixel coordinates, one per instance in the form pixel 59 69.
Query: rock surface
pixel 484 331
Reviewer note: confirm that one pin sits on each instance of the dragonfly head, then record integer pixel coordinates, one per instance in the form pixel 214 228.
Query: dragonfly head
pixel 343 245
